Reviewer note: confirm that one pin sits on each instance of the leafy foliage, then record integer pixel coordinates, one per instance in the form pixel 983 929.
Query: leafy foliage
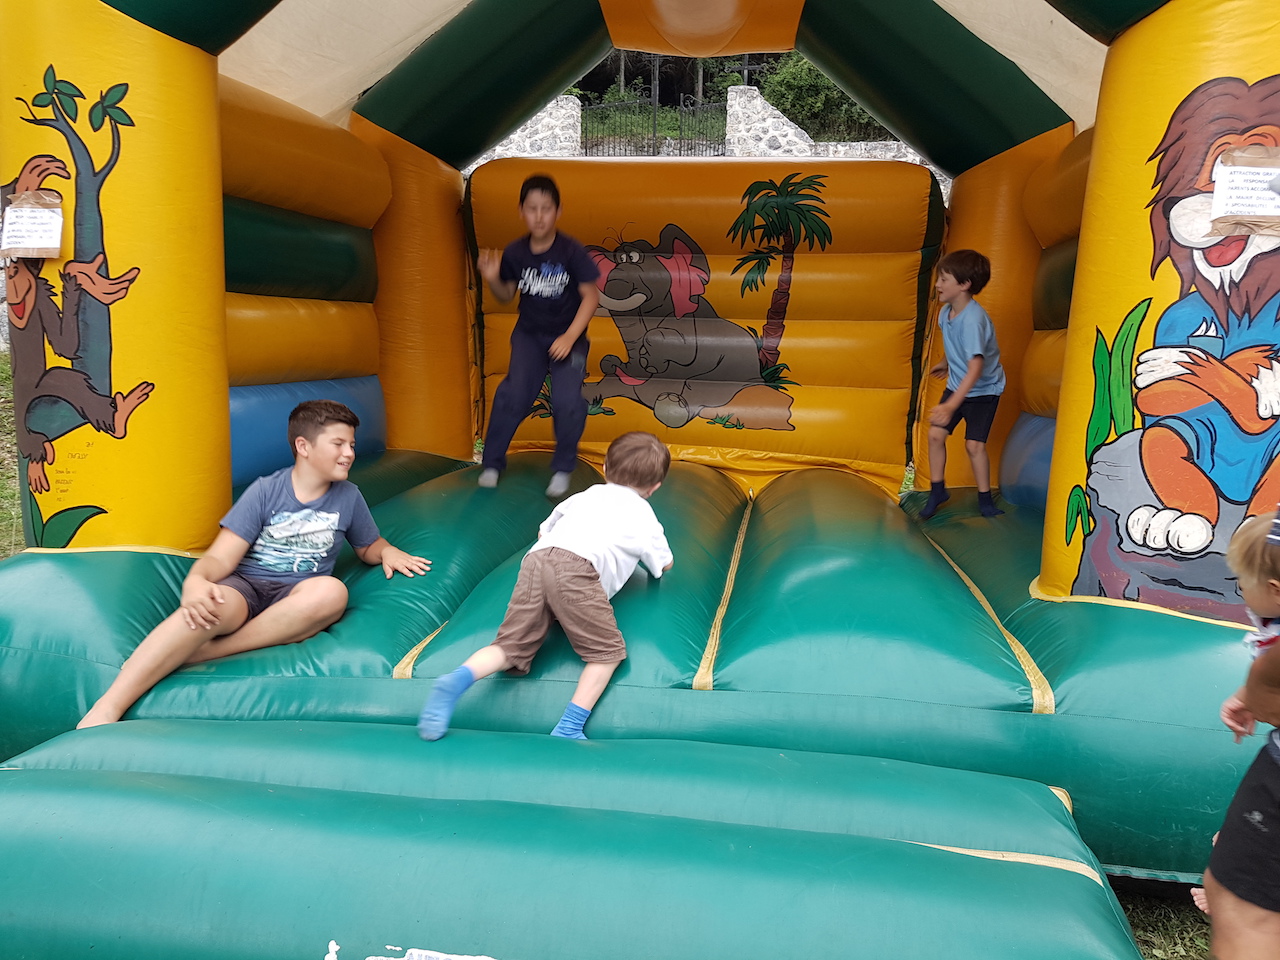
pixel 728 421
pixel 807 97
pixel 61 95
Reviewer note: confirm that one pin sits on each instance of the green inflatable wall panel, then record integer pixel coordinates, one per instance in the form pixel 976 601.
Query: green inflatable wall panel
pixel 280 253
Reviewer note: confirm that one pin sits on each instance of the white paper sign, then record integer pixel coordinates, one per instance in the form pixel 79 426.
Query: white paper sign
pixel 1243 191
pixel 31 229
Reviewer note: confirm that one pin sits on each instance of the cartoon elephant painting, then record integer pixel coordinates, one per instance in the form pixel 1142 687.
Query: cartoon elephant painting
pixel 683 359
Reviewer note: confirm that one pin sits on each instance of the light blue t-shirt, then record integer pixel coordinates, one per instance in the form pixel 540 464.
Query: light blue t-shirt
pixel 290 540
pixel 967 335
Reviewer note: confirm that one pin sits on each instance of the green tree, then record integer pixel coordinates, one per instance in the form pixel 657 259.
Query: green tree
pixel 806 97
pixel 778 217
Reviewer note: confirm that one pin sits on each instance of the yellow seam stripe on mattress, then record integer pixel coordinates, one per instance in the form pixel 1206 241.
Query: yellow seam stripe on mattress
pixel 1041 692
pixel 404 669
pixel 1065 797
pixel 122 548
pixel 1033 589
pixel 702 680
pixel 1058 863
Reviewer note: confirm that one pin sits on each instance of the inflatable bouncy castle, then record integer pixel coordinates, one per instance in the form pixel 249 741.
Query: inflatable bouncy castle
pixel 840 729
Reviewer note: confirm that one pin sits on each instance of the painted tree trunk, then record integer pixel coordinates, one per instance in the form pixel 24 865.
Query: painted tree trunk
pixel 776 319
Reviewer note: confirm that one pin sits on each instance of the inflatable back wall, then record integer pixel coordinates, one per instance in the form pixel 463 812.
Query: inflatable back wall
pixel 759 314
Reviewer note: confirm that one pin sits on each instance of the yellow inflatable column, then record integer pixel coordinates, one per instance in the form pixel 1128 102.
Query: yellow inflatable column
pixel 987 216
pixel 119 365
pixel 1182 440
pixel 425 312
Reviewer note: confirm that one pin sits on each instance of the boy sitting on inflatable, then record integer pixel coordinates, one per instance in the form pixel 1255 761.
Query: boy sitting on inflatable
pixel 267 578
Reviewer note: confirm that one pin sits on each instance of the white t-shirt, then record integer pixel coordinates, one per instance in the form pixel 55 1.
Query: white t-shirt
pixel 613 528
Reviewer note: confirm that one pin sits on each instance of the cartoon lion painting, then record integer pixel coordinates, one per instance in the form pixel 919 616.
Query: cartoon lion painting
pixel 1209 388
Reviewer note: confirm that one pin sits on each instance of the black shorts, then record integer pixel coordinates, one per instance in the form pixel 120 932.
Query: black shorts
pixel 978 413
pixel 1246 858
pixel 258 592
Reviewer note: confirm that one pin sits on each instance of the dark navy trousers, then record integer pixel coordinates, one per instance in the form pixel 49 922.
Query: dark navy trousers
pixel 530 364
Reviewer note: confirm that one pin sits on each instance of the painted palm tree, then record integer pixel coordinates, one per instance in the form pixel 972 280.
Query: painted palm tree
pixel 778 217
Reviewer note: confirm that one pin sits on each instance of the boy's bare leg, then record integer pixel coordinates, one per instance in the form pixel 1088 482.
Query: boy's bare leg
pixel 981 464
pixel 1241 930
pixel 161 652
pixel 312 605
pixel 937 472
pixel 595 677
pixel 433 722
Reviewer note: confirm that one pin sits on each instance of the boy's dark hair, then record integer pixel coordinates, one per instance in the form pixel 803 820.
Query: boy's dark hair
pixel 540 181
pixel 310 417
pixel 967 265
pixel 637 459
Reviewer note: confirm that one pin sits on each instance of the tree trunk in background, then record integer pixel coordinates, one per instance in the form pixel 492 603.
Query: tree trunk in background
pixel 697 90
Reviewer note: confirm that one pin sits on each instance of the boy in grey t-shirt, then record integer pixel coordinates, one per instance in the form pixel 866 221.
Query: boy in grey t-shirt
pixel 266 579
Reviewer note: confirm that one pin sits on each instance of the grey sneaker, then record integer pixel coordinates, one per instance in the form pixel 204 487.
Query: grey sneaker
pixel 489 478
pixel 559 484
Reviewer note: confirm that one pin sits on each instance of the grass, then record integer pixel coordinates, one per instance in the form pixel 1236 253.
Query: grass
pixel 10 506
pixel 1165 923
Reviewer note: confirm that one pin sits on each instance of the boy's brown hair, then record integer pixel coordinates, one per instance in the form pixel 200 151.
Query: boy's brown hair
pixel 310 417
pixel 967 265
pixel 540 181
pixel 637 459
pixel 1250 555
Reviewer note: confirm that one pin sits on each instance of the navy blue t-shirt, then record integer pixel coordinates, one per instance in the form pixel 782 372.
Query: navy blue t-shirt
pixel 548 282
pixel 290 540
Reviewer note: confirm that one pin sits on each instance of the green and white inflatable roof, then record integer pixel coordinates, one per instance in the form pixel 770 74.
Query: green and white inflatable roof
pixel 962 80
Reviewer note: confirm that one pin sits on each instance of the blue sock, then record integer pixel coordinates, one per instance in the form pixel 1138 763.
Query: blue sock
pixel 570 725
pixel 987 505
pixel 937 497
pixel 433 722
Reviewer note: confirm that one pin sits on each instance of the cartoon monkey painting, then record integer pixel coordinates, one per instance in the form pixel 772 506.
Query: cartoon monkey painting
pixel 1209 388
pixel 683 359
pixel 49 402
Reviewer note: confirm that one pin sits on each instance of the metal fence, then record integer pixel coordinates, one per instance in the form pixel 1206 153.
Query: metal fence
pixel 642 128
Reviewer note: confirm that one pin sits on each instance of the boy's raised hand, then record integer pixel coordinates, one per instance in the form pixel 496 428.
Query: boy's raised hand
pixel 395 560
pixel 489 264
pixel 200 601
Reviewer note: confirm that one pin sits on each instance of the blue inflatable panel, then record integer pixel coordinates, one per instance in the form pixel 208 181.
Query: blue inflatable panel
pixel 260 420
pixel 1024 469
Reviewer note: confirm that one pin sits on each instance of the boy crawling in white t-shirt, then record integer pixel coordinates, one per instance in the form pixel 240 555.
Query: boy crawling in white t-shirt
pixel 586 550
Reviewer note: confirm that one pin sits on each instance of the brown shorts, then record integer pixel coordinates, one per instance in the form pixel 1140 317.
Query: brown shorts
pixel 558 584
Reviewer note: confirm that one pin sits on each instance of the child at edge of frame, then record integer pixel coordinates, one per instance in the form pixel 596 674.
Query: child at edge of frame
pixel 1242 883
pixel 556 280
pixel 975 378
pixel 586 550
pixel 267 578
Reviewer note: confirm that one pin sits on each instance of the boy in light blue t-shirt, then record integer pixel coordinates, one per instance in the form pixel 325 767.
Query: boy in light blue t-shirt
pixel 975 378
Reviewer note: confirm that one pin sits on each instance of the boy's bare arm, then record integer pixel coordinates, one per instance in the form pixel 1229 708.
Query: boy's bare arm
pixel 201 595
pixel 1262 689
pixel 561 346
pixel 393 559
pixel 489 264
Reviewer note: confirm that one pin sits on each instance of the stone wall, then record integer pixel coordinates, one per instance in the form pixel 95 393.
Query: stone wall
pixel 758 129
pixel 554 132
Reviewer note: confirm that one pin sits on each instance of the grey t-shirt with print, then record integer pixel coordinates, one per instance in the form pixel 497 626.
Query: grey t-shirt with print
pixel 290 540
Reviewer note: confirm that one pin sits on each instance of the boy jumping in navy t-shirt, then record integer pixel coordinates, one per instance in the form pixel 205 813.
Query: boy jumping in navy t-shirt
pixel 556 279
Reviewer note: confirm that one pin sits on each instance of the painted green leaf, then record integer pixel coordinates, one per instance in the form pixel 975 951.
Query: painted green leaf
pixel 119 116
pixel 68 105
pixel 42 100
pixel 96 116
pixel 1121 373
pixel 114 94
pixel 61 528
pixel 50 79
pixel 1078 512
pixel 1099 428
pixel 36 518
pixel 69 88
